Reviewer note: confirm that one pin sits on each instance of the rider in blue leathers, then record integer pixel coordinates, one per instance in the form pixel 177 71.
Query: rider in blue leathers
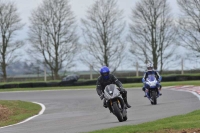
pixel 105 79
pixel 151 71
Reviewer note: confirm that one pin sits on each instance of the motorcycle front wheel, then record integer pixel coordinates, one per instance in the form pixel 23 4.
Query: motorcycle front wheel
pixel 117 112
pixel 154 97
pixel 125 118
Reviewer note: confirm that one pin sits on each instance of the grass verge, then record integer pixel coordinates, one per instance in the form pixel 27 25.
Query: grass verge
pixel 12 112
pixel 188 123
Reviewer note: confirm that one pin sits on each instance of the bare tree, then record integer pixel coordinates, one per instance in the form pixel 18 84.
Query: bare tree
pixel 103 32
pixel 152 33
pixel 52 35
pixel 9 25
pixel 190 24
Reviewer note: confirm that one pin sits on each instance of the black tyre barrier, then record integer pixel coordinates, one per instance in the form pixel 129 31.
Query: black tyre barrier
pixel 25 85
pixel 8 86
pixel 39 84
pixel 89 82
pixel 52 84
pixel 66 83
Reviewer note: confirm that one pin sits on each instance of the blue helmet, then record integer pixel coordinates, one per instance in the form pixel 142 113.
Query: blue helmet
pixel 104 71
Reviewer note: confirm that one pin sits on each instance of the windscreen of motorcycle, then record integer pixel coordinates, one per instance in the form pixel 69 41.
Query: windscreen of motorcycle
pixel 151 77
pixel 111 91
pixel 151 81
pixel 110 88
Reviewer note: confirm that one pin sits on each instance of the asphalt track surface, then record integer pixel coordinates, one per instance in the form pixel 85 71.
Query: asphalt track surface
pixel 77 111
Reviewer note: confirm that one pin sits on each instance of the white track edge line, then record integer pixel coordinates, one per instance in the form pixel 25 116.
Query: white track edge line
pixel 30 118
pixel 194 93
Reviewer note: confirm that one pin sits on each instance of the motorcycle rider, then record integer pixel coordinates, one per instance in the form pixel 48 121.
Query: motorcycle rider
pixel 105 79
pixel 151 71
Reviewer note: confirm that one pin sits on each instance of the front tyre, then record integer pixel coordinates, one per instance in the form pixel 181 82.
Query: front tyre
pixel 125 118
pixel 117 112
pixel 154 98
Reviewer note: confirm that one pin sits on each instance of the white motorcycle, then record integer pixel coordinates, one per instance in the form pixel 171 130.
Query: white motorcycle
pixel 115 102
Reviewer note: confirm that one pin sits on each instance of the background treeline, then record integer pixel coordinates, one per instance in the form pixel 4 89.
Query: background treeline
pixel 56 41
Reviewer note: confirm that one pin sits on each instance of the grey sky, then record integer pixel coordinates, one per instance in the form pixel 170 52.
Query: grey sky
pixel 25 6
pixel 79 7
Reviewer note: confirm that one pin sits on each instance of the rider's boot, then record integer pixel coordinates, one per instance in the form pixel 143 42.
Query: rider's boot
pixel 143 88
pixel 160 90
pixel 126 102
pixel 124 95
pixel 144 91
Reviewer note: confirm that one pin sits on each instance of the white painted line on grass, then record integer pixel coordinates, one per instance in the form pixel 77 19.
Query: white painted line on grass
pixel 40 113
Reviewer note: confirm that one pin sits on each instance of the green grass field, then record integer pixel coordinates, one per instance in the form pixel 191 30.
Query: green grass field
pixel 12 112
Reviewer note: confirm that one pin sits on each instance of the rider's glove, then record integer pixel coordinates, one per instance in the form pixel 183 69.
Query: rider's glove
pixel 144 82
pixel 122 90
pixel 159 80
pixel 101 96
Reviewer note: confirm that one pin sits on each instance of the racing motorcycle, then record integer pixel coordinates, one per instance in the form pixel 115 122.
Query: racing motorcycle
pixel 115 102
pixel 152 89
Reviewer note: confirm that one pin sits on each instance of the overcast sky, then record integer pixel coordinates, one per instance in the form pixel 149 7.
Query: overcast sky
pixel 79 7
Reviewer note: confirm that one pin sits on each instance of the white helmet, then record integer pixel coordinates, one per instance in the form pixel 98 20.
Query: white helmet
pixel 149 66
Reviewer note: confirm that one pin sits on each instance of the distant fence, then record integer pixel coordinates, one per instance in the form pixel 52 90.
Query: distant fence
pixel 93 82
pixel 95 75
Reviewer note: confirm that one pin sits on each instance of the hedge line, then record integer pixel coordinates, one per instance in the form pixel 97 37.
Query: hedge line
pixel 93 82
